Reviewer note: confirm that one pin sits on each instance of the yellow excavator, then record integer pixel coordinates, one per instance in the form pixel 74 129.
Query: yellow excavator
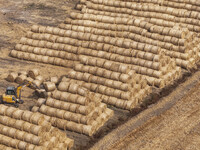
pixel 13 95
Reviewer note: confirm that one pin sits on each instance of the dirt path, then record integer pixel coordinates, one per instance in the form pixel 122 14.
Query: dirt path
pixel 176 129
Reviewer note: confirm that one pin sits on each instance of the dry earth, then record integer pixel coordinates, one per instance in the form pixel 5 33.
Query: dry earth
pixel 177 127
pixel 17 16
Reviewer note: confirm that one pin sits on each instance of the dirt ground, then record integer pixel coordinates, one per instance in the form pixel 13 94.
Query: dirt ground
pixel 17 16
pixel 175 128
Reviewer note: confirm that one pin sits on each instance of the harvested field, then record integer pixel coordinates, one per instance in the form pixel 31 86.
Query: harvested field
pixel 113 74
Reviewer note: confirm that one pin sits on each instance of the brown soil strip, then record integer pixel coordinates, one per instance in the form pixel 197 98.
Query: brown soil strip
pixel 119 134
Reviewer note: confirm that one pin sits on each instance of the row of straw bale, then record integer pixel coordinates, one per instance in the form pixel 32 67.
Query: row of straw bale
pixel 23 77
pixel 118 81
pixel 71 104
pixel 181 53
pixel 21 129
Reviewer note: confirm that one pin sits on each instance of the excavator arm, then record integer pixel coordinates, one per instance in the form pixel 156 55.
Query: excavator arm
pixel 18 89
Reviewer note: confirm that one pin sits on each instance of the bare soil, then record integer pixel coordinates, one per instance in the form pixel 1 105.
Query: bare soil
pixel 172 123
pixel 17 16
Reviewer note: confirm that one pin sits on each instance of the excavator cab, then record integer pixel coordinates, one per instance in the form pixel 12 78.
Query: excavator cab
pixel 10 96
pixel 11 90
pixel 13 95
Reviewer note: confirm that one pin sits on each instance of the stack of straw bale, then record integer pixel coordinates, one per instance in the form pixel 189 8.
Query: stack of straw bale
pixel 24 130
pixel 174 30
pixel 72 107
pixel 116 84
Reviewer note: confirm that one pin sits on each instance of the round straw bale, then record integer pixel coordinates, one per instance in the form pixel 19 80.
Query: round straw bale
pixel 40 101
pixel 73 107
pixel 73 88
pixel 46 144
pixel 4 120
pixel 18 114
pixel 48 94
pixel 49 86
pixel 11 132
pixel 87 129
pixel 36 140
pixel 13 143
pixel 13 53
pixel 19 124
pixel 35 28
pixel 10 111
pixel 26 56
pixel 36 118
pixel 47 118
pixel 54 80
pixel 51 60
pixel 46 125
pixel 5 140
pixel 27 126
pixel 4 130
pixel 30 147
pixel 56 94
pixel 22 145
pixel 54 140
pixel 11 122
pixel 124 78
pixel 28 79
pixel 53 121
pixel 20 79
pixel 28 137
pixel 62 145
pixel 84 110
pixel 36 83
pixel 20 135
pixel 68 97
pixel 39 77
pixel 43 109
pixel 65 106
pixel 82 91
pixel 70 126
pixel 79 128
pixel 27 115
pixel 22 72
pixel 57 104
pixel 50 102
pixel 36 130
pixel 12 76
pixel 3 109
pixel 57 61
pixel 109 112
pixel 63 86
pixel 69 143
pixel 67 115
pixel 33 73
pixel 82 100
pixel 51 111
pixel 41 147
